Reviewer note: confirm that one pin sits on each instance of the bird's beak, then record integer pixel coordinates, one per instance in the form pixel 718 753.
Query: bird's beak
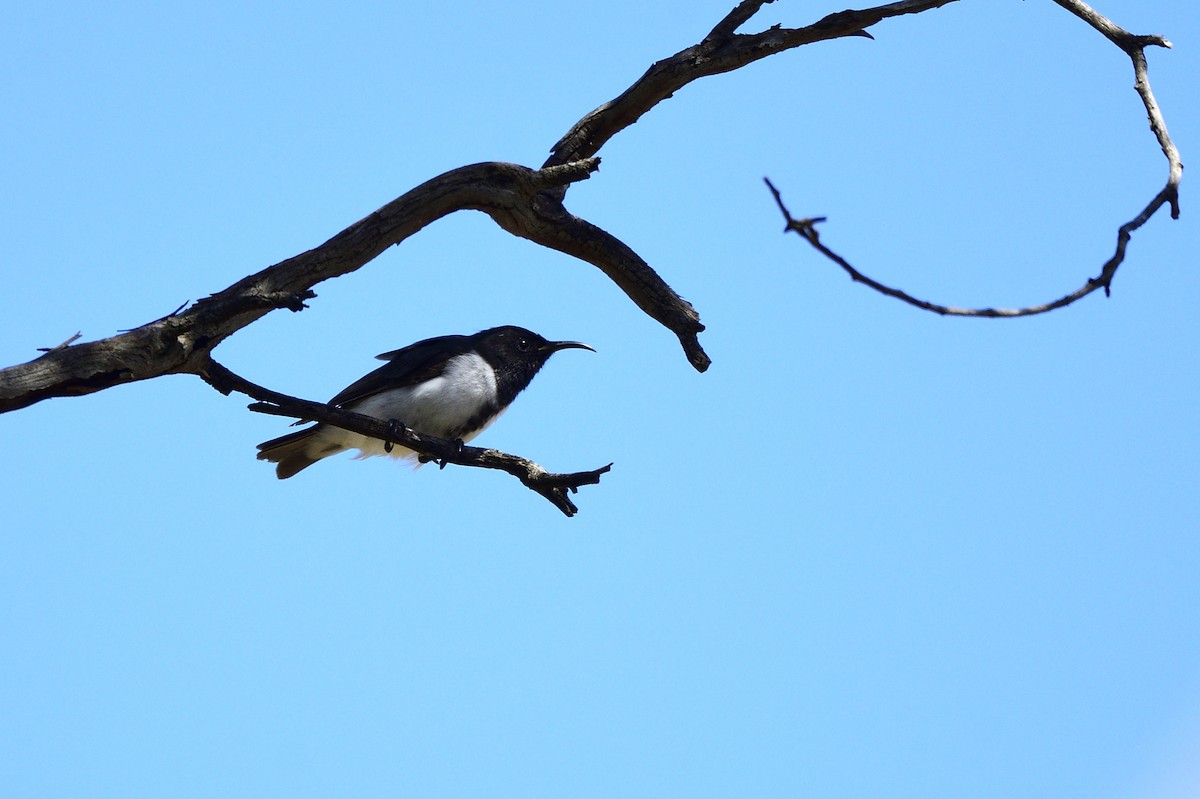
pixel 555 346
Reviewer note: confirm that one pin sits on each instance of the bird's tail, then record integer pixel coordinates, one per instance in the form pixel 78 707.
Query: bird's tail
pixel 296 451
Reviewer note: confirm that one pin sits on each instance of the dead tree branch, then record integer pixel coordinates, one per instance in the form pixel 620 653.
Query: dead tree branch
pixel 527 203
pixel 1135 47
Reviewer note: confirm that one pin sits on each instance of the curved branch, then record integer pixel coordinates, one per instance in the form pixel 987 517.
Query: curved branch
pixel 516 197
pixel 556 488
pixel 807 230
pixel 1135 47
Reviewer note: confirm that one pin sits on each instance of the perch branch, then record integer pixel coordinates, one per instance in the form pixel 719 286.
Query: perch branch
pixel 556 488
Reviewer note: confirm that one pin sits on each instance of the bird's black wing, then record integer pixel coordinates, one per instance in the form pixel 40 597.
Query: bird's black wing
pixel 413 364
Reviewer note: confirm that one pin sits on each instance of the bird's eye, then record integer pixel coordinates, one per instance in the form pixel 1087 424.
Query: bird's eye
pixel 523 344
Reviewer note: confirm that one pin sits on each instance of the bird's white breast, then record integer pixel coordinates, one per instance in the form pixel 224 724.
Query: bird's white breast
pixel 439 406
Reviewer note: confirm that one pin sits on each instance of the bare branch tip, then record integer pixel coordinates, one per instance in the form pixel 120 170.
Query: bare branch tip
pixel 557 488
pixel 696 355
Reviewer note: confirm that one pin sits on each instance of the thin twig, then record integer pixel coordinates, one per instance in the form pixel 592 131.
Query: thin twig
pixel 808 231
pixel 1134 46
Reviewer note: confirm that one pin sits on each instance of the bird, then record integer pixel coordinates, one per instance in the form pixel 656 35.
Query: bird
pixel 449 386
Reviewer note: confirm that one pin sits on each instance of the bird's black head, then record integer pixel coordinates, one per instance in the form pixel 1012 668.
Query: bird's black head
pixel 517 354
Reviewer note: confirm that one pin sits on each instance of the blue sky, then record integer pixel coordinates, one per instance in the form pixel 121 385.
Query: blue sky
pixel 871 552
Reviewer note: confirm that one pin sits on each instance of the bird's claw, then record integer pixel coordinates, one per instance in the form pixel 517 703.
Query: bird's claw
pixel 441 462
pixel 458 450
pixel 395 427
